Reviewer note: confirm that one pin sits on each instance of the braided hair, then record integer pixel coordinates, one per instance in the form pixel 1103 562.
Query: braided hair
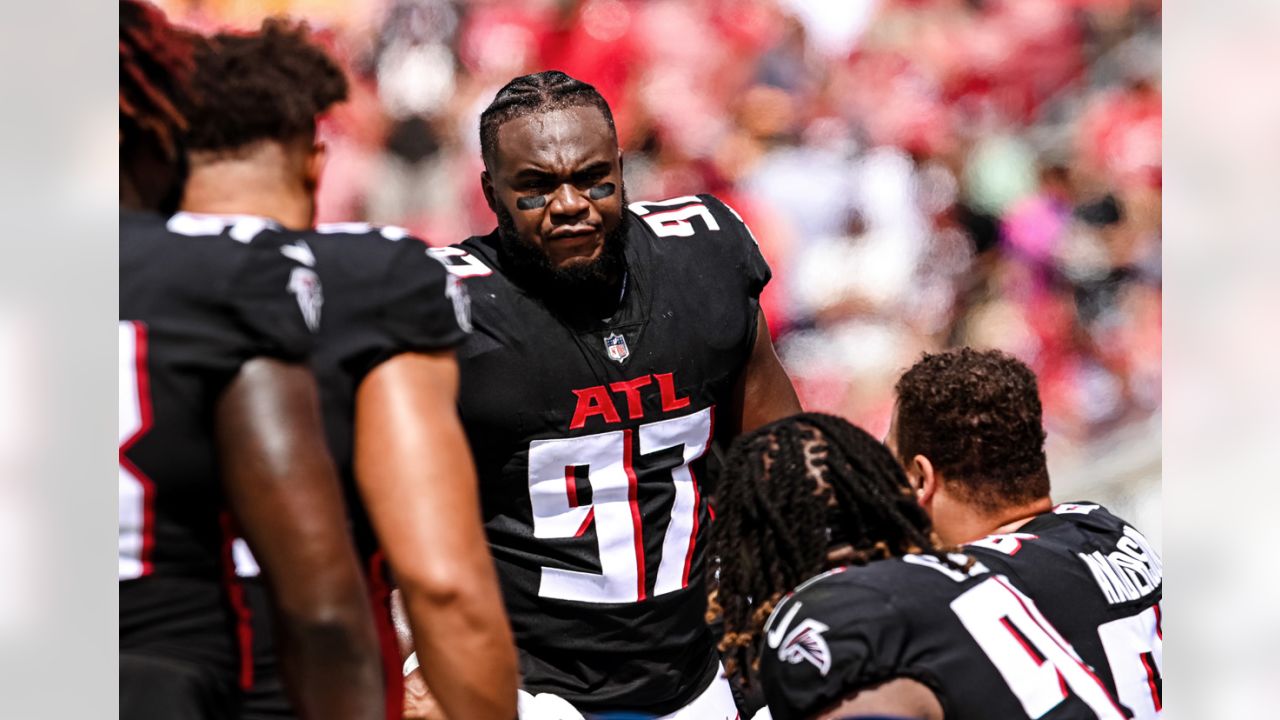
pixel 539 92
pixel 791 491
pixel 156 63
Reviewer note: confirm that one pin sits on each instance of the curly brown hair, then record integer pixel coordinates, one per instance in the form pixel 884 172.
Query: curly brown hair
pixel 271 84
pixel 976 416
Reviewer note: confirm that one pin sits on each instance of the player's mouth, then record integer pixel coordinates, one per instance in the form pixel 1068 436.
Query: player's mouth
pixel 573 243
pixel 572 232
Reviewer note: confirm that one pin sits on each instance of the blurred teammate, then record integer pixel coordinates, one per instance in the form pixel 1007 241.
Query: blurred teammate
pixel 896 625
pixel 968 430
pixel 217 410
pixel 613 344
pixel 384 359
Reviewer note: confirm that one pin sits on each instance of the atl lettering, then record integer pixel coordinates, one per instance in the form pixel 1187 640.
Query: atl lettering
pixel 598 400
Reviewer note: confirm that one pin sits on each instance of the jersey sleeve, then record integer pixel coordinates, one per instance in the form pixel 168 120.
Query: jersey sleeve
pixel 277 299
pixel 826 642
pixel 426 308
pixel 414 305
pixel 745 248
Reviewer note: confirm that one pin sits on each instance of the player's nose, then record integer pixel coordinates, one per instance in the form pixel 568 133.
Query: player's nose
pixel 568 203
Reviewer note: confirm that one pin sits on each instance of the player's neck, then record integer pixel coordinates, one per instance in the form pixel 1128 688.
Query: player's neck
pixel 1010 519
pixel 958 523
pixel 248 185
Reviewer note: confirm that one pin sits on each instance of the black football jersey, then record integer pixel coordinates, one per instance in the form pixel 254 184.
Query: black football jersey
pixel 197 300
pixel 972 636
pixel 1100 583
pixel 591 441
pixel 384 295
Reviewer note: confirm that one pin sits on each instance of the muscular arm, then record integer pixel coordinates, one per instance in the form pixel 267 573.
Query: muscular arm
pixel 764 392
pixel 899 698
pixel 415 473
pixel 284 492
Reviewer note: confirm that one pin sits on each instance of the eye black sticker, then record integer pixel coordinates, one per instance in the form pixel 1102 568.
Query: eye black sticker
pixel 602 191
pixel 531 202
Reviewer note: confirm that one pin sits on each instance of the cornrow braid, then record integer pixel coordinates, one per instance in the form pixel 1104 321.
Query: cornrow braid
pixel 539 92
pixel 790 491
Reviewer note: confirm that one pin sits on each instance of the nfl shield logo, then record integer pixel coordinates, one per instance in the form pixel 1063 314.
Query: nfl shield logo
pixel 616 347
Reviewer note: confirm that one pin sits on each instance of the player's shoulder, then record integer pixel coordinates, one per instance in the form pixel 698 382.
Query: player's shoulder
pixel 472 259
pixel 894 587
pixel 1086 514
pixel 703 216
pixel 1070 527
pixel 1081 539
pixel 195 252
pixel 853 626
pixel 362 245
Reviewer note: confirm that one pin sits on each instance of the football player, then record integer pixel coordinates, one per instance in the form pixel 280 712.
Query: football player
pixel 968 430
pixel 217 409
pixel 384 359
pixel 897 624
pixel 614 343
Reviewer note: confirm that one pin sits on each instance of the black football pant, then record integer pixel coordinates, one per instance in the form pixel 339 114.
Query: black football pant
pixel 162 688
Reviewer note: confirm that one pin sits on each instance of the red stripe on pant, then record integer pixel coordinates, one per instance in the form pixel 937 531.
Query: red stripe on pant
pixel 380 595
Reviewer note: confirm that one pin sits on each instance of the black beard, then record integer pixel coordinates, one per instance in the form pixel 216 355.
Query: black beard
pixel 588 290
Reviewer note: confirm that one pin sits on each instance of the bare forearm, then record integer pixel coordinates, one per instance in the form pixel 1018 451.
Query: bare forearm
pixel 764 391
pixel 330 657
pixel 465 627
pixel 419 485
pixel 284 492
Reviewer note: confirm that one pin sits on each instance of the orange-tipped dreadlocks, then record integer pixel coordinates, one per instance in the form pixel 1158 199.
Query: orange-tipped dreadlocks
pixel 789 492
pixel 156 63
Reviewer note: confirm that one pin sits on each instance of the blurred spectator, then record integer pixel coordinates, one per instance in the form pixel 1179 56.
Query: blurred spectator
pixel 919 173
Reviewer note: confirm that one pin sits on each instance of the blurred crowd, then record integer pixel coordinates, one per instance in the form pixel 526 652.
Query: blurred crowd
pixel 919 173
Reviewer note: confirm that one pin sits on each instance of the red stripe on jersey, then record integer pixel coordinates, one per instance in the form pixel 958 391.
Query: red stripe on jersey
pixel 143 381
pixel 1148 664
pixel 586 522
pixel 1070 653
pixel 697 502
pixel 1159 621
pixel 632 493
pixel 235 594
pixel 1036 657
pixel 571 485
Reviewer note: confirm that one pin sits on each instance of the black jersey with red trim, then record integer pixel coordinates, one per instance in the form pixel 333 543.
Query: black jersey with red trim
pixel 968 634
pixel 383 295
pixel 590 441
pixel 197 300
pixel 1099 581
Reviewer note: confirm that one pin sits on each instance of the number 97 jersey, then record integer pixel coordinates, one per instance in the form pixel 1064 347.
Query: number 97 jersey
pixel 590 440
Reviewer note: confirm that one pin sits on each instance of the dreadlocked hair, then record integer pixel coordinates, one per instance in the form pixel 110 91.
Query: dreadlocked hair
pixel 787 490
pixel 156 63
pixel 539 92
pixel 265 85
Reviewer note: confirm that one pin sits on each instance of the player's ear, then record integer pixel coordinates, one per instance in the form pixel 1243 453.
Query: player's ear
pixel 316 158
pixel 923 478
pixel 486 184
